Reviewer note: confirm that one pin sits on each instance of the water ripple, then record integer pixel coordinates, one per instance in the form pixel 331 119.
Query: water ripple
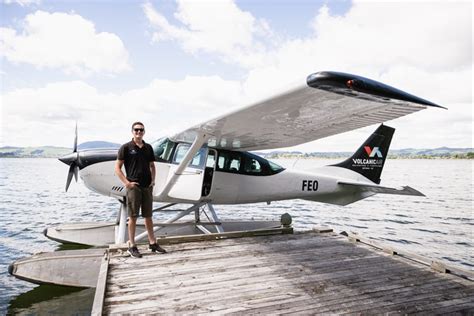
pixel 438 226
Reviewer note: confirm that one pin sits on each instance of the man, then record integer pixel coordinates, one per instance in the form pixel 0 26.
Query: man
pixel 139 160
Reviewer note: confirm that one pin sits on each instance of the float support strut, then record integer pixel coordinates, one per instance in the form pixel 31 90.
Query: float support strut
pixel 121 229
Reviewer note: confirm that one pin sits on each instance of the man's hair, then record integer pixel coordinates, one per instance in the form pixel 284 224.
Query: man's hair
pixel 137 123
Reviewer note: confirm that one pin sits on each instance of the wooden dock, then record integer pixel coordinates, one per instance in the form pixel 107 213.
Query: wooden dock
pixel 306 273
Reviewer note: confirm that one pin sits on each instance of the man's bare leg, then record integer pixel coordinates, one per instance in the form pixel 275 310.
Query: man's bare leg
pixel 132 224
pixel 149 229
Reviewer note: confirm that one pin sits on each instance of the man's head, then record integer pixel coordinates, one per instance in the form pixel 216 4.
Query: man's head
pixel 138 130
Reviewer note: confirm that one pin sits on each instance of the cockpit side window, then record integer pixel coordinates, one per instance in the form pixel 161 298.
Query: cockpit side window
pixel 163 148
pixel 198 160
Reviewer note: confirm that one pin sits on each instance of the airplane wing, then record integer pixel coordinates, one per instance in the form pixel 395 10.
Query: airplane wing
pixel 328 104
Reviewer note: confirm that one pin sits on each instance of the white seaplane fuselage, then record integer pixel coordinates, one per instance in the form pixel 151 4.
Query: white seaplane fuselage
pixel 233 178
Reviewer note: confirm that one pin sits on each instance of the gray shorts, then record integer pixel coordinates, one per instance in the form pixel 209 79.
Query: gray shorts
pixel 140 197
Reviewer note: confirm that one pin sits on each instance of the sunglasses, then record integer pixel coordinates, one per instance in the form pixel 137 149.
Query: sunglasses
pixel 139 129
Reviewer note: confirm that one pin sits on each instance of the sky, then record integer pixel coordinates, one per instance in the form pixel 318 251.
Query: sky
pixel 173 64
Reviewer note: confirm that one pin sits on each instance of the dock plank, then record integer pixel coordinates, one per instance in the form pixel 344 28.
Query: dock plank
pixel 302 273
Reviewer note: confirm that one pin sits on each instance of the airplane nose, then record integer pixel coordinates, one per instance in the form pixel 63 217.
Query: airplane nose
pixel 69 158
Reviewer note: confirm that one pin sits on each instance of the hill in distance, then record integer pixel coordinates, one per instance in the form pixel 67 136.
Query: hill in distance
pixel 97 144
pixel 50 151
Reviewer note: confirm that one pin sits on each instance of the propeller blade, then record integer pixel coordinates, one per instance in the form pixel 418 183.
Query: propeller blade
pixel 69 175
pixel 74 149
pixel 75 172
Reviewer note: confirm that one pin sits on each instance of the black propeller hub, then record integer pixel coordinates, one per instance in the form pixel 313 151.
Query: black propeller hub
pixel 69 158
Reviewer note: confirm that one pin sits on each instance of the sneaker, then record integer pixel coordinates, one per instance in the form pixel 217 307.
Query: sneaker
pixel 134 253
pixel 156 248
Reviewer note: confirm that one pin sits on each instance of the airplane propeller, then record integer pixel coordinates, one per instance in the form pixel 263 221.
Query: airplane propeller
pixel 71 160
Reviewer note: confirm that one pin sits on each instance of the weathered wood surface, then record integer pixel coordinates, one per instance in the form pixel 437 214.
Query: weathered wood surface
pixel 306 273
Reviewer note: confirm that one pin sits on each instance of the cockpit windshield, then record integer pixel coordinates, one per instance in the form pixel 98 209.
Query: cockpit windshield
pixel 162 148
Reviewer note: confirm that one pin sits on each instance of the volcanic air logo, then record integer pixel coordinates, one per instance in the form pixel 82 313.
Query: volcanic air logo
pixel 372 162
pixel 373 152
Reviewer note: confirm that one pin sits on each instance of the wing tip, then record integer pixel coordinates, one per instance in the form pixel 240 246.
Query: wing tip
pixel 344 83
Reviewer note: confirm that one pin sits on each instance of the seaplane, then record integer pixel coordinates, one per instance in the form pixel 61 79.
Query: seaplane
pixel 212 163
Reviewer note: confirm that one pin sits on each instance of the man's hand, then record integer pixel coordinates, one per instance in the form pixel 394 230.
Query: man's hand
pixel 130 185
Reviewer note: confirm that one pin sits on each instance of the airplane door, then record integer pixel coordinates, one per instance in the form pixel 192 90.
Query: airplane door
pixel 189 183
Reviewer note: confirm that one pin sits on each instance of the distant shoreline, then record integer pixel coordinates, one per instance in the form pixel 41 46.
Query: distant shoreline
pixel 407 153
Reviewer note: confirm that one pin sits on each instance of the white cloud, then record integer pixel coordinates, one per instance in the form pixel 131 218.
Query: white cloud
pixel 46 115
pixel 217 27
pixel 424 49
pixel 65 41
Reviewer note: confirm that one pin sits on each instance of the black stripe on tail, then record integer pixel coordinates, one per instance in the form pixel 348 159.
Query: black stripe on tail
pixel 369 159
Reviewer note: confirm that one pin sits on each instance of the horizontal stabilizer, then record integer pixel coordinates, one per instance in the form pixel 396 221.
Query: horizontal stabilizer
pixel 405 190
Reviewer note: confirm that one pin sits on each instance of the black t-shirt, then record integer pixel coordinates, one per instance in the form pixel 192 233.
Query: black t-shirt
pixel 137 162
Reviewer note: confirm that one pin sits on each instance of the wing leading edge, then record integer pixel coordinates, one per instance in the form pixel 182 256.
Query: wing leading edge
pixel 329 103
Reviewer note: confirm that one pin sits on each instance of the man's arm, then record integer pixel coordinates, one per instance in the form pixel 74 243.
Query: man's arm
pixel 121 175
pixel 153 173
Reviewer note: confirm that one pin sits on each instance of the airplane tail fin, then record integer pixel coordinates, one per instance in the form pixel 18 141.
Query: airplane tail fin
pixel 369 159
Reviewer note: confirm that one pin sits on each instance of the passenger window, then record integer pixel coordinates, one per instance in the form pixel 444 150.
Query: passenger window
pixel 229 161
pixel 234 164
pixel 211 159
pixel 246 163
pixel 252 166
pixel 221 163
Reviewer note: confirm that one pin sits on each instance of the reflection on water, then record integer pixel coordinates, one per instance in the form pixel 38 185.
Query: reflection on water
pixel 32 198
pixel 51 299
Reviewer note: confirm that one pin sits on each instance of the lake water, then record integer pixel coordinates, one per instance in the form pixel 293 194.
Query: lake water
pixel 32 197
